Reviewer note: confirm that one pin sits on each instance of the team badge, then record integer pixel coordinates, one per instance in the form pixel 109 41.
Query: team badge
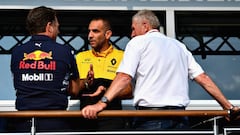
pixel 113 61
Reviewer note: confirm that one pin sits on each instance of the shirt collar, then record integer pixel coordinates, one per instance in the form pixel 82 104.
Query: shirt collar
pixel 40 37
pixel 153 30
pixel 104 53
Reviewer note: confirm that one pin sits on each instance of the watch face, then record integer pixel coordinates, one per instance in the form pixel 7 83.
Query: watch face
pixel 104 99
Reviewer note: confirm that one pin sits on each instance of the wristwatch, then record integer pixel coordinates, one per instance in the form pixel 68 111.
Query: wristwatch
pixel 104 100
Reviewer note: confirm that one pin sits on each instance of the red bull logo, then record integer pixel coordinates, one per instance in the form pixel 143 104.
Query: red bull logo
pixel 38 63
pixel 37 55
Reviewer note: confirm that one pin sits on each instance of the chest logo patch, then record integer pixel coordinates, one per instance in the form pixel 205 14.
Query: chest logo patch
pixel 113 61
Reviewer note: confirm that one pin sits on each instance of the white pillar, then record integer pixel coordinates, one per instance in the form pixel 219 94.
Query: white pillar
pixel 170 23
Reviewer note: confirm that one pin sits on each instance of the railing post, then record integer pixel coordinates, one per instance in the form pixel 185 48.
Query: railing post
pixel 215 126
pixel 33 128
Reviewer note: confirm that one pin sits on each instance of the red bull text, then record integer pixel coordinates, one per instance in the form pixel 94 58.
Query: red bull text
pixel 38 65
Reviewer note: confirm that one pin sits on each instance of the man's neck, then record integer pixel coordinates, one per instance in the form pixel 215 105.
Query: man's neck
pixel 102 49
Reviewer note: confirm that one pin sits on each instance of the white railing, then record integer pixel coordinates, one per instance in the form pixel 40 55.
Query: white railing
pixel 122 113
pixel 196 108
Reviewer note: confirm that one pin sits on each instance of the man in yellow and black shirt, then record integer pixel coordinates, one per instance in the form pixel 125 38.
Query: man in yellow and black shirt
pixel 97 68
pixel 104 66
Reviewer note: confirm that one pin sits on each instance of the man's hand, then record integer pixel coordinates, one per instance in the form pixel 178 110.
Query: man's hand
pixel 235 113
pixel 97 92
pixel 91 111
pixel 90 76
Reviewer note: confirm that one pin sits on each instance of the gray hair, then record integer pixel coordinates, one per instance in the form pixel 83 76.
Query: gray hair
pixel 148 16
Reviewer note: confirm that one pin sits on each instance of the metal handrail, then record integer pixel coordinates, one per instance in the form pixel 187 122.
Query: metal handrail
pixel 115 113
pixel 122 113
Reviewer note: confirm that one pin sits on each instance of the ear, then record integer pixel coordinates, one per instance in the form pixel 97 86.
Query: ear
pixel 49 28
pixel 147 26
pixel 108 34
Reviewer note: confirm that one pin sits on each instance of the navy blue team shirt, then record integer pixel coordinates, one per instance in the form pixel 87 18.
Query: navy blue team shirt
pixel 41 71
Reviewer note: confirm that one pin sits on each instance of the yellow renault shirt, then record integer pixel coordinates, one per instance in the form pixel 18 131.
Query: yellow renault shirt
pixel 104 64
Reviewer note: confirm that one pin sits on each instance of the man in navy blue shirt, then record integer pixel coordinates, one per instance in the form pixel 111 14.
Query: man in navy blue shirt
pixel 43 71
